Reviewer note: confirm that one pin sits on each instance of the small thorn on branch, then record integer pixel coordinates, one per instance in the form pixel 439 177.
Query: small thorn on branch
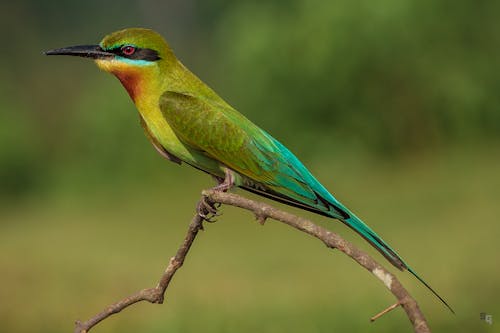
pixel 261 218
pixel 380 314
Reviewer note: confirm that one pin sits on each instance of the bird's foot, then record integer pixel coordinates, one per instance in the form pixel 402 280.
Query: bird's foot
pixel 208 210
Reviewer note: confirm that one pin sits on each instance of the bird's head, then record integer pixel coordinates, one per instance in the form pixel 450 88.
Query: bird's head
pixel 135 56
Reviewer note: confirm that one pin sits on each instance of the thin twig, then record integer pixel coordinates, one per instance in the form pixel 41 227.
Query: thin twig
pixel 383 312
pixel 152 295
pixel 262 212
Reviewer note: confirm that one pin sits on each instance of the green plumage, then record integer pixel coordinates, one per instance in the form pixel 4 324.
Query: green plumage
pixel 262 163
pixel 186 121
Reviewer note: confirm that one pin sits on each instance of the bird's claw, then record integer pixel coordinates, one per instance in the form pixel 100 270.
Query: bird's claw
pixel 208 210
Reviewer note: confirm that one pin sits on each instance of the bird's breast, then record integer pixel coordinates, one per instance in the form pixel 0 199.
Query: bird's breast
pixel 131 81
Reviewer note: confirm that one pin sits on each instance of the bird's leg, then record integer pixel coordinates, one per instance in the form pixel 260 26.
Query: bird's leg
pixel 227 183
pixel 208 209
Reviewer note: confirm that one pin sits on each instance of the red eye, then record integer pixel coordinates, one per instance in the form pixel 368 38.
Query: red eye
pixel 128 50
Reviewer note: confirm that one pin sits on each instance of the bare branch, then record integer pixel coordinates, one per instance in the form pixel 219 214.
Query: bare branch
pixel 262 212
pixel 334 241
pixel 152 295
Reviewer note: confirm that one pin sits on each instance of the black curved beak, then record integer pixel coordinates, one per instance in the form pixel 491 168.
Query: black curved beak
pixel 86 51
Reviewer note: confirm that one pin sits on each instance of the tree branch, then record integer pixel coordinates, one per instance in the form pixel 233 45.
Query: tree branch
pixel 262 212
pixel 152 295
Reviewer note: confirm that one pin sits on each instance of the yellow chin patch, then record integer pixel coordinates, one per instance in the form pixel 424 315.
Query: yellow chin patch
pixel 112 65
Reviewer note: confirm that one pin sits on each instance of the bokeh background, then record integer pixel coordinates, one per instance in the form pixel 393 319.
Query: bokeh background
pixel 393 105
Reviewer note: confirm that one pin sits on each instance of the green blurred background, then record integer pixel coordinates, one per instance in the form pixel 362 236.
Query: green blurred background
pixel 393 104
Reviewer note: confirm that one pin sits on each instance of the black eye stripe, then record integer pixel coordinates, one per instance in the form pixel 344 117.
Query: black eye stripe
pixel 139 54
pixel 145 54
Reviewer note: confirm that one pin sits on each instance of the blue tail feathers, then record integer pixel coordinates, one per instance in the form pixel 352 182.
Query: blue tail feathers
pixel 298 187
pixel 362 229
pixel 375 240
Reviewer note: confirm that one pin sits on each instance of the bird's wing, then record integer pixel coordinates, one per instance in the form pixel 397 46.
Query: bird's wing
pixel 273 171
pixel 227 136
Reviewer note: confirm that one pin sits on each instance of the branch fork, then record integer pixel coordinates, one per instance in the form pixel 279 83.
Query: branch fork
pixel 207 211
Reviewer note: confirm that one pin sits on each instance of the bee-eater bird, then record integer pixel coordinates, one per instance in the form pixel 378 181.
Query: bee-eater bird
pixel 188 122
